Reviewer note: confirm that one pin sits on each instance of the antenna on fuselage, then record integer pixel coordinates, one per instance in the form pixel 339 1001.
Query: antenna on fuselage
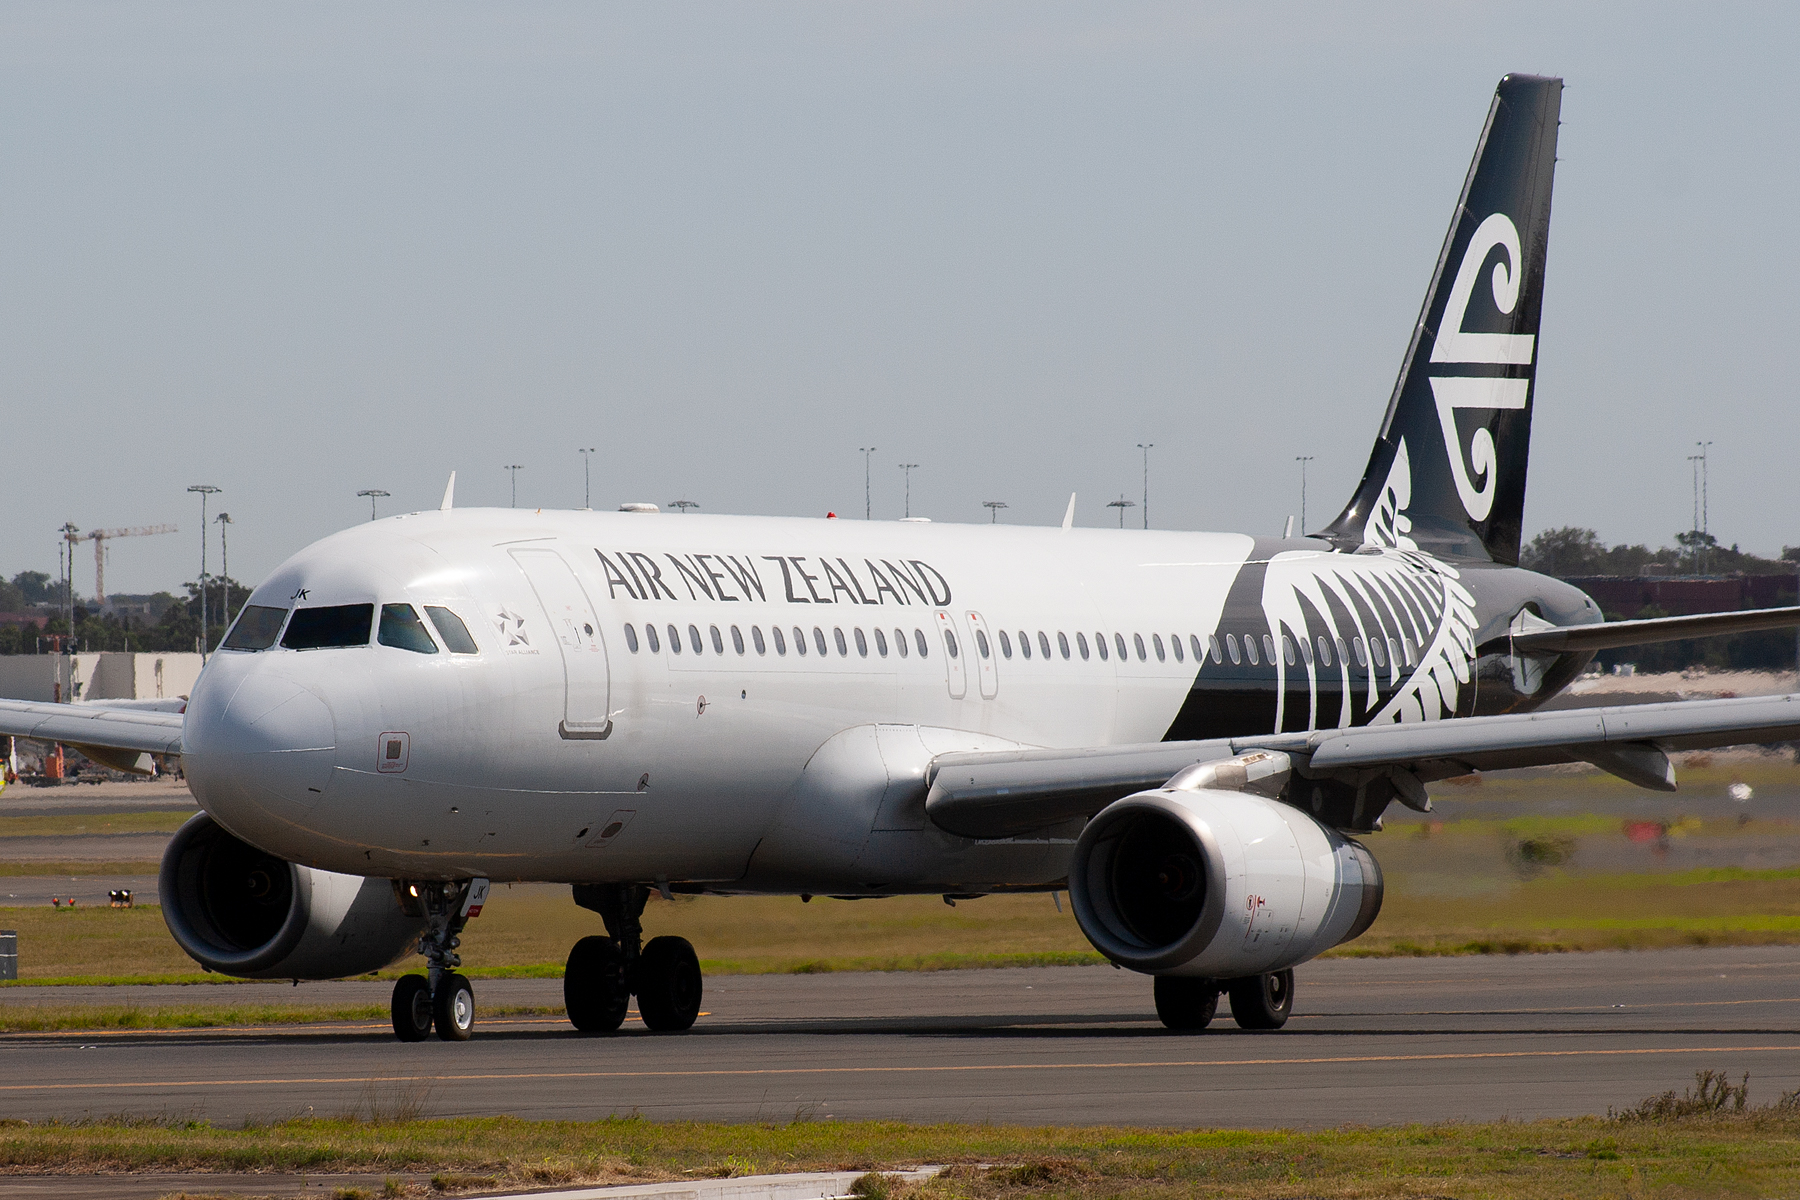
pixel 1069 516
pixel 449 494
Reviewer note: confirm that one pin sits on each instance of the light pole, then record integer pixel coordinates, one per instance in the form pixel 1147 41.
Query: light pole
pixel 587 498
pixel 224 521
pixel 66 561
pixel 908 468
pixel 515 468
pixel 1705 517
pixel 867 509
pixel 684 505
pixel 1121 504
pixel 372 494
pixel 205 490
pixel 1303 459
pixel 1694 529
pixel 993 507
pixel 1146 447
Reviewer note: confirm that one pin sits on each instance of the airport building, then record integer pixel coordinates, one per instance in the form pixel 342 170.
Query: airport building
pixel 59 678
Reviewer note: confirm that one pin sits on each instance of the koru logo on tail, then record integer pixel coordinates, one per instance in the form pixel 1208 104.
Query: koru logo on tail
pixel 1455 345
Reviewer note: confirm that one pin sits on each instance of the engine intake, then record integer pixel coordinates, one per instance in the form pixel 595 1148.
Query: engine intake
pixel 1201 879
pixel 240 911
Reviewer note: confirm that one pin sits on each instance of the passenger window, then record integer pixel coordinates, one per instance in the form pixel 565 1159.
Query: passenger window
pixel 1287 649
pixel 1324 651
pixel 1343 652
pixel 694 639
pixel 1044 645
pixel 1406 644
pixel 950 642
pixel 256 628
pixel 1306 653
pixel 981 643
pixel 1062 642
pixel 323 628
pixel 1231 644
pixel 843 650
pixel 800 641
pixel 1081 645
pixel 780 641
pixel 650 636
pixel 862 643
pixel 881 643
pixel 756 639
pixel 717 641
pixel 900 641
pixel 1212 649
pixel 674 640
pixel 737 639
pixel 1137 641
pixel 402 629
pixel 920 644
pixel 1006 645
pixel 1362 656
pixel 1250 652
pixel 819 640
pixel 1024 643
pixel 1378 651
pixel 1100 645
pixel 631 642
pixel 1156 641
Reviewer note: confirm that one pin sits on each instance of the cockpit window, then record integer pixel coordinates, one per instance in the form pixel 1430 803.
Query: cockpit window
pixel 402 629
pixel 256 628
pixel 454 632
pixel 337 625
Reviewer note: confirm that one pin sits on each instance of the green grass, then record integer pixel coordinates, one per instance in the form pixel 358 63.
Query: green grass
pixel 1696 1143
pixel 86 870
pixel 77 823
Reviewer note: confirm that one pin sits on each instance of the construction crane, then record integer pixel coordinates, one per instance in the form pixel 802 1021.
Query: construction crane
pixel 100 537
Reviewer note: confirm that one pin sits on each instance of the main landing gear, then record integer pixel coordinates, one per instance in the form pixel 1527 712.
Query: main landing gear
pixel 603 973
pixel 1187 1004
pixel 441 999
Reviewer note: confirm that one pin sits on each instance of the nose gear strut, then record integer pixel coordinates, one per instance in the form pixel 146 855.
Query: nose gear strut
pixel 441 997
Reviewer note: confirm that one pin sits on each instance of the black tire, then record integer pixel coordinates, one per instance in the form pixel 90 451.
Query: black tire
pixel 411 1008
pixel 453 1009
pixel 1262 1001
pixel 669 985
pixel 594 990
pixel 1185 1003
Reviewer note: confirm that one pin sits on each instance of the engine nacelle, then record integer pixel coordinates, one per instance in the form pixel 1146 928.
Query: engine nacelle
pixel 240 911
pixel 1192 879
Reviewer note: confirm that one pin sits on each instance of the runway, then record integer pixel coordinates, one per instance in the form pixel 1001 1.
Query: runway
pixel 1372 1041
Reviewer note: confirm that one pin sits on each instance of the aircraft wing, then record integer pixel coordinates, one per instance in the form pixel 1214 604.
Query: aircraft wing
pixel 1005 793
pixel 119 737
pixel 1610 635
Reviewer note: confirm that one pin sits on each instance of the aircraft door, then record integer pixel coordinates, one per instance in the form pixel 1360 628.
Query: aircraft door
pixel 587 685
pixel 983 652
pixel 951 640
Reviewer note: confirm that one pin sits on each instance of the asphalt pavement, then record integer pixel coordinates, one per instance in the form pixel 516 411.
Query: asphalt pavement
pixel 1373 1041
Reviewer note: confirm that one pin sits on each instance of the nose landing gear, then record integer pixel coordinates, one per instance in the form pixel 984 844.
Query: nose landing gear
pixel 603 973
pixel 441 998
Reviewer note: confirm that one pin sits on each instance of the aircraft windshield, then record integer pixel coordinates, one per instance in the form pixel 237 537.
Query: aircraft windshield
pixel 338 625
pixel 256 628
pixel 456 634
pixel 401 628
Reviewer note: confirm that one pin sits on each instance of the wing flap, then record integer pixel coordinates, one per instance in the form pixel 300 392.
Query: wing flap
pixel 84 725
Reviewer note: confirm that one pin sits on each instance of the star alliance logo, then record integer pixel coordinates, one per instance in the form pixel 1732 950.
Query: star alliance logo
pixel 512 626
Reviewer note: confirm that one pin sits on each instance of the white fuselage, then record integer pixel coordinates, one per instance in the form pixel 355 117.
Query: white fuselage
pixel 579 746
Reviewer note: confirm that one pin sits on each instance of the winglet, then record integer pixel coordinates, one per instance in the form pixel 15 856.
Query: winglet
pixel 449 494
pixel 1069 516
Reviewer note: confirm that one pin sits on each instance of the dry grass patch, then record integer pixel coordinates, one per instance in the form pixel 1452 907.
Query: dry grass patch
pixel 1704 1142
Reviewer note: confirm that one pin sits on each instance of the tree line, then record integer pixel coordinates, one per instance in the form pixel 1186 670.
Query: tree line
pixel 175 628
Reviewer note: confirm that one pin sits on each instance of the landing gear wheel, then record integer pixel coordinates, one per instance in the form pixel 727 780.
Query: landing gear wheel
pixel 1185 1003
pixel 412 1008
pixel 1262 1001
pixel 594 990
pixel 453 1009
pixel 668 985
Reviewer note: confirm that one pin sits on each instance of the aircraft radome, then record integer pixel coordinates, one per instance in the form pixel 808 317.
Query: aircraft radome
pixel 1187 731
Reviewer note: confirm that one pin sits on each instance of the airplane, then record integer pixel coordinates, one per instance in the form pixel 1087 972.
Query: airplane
pixel 1188 732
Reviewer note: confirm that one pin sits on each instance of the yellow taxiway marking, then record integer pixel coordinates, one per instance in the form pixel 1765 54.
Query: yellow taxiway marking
pixel 478 1077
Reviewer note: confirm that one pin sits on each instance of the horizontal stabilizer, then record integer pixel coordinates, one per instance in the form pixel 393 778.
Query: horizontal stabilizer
pixel 1611 635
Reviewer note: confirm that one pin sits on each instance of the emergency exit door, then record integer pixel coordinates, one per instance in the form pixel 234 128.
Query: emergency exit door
pixel 575 628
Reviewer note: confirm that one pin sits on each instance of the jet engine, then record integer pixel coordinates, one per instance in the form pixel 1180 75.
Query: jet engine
pixel 1211 876
pixel 240 911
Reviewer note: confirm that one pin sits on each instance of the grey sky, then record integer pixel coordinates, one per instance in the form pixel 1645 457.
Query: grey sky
pixel 298 250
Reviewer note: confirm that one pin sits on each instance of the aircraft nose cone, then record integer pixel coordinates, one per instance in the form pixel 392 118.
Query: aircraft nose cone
pixel 271 740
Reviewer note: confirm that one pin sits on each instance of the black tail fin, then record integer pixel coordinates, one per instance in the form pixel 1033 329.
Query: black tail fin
pixel 1448 472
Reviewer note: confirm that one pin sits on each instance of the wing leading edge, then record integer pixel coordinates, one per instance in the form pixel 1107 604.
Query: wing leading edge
pixel 1002 794
pixel 117 737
